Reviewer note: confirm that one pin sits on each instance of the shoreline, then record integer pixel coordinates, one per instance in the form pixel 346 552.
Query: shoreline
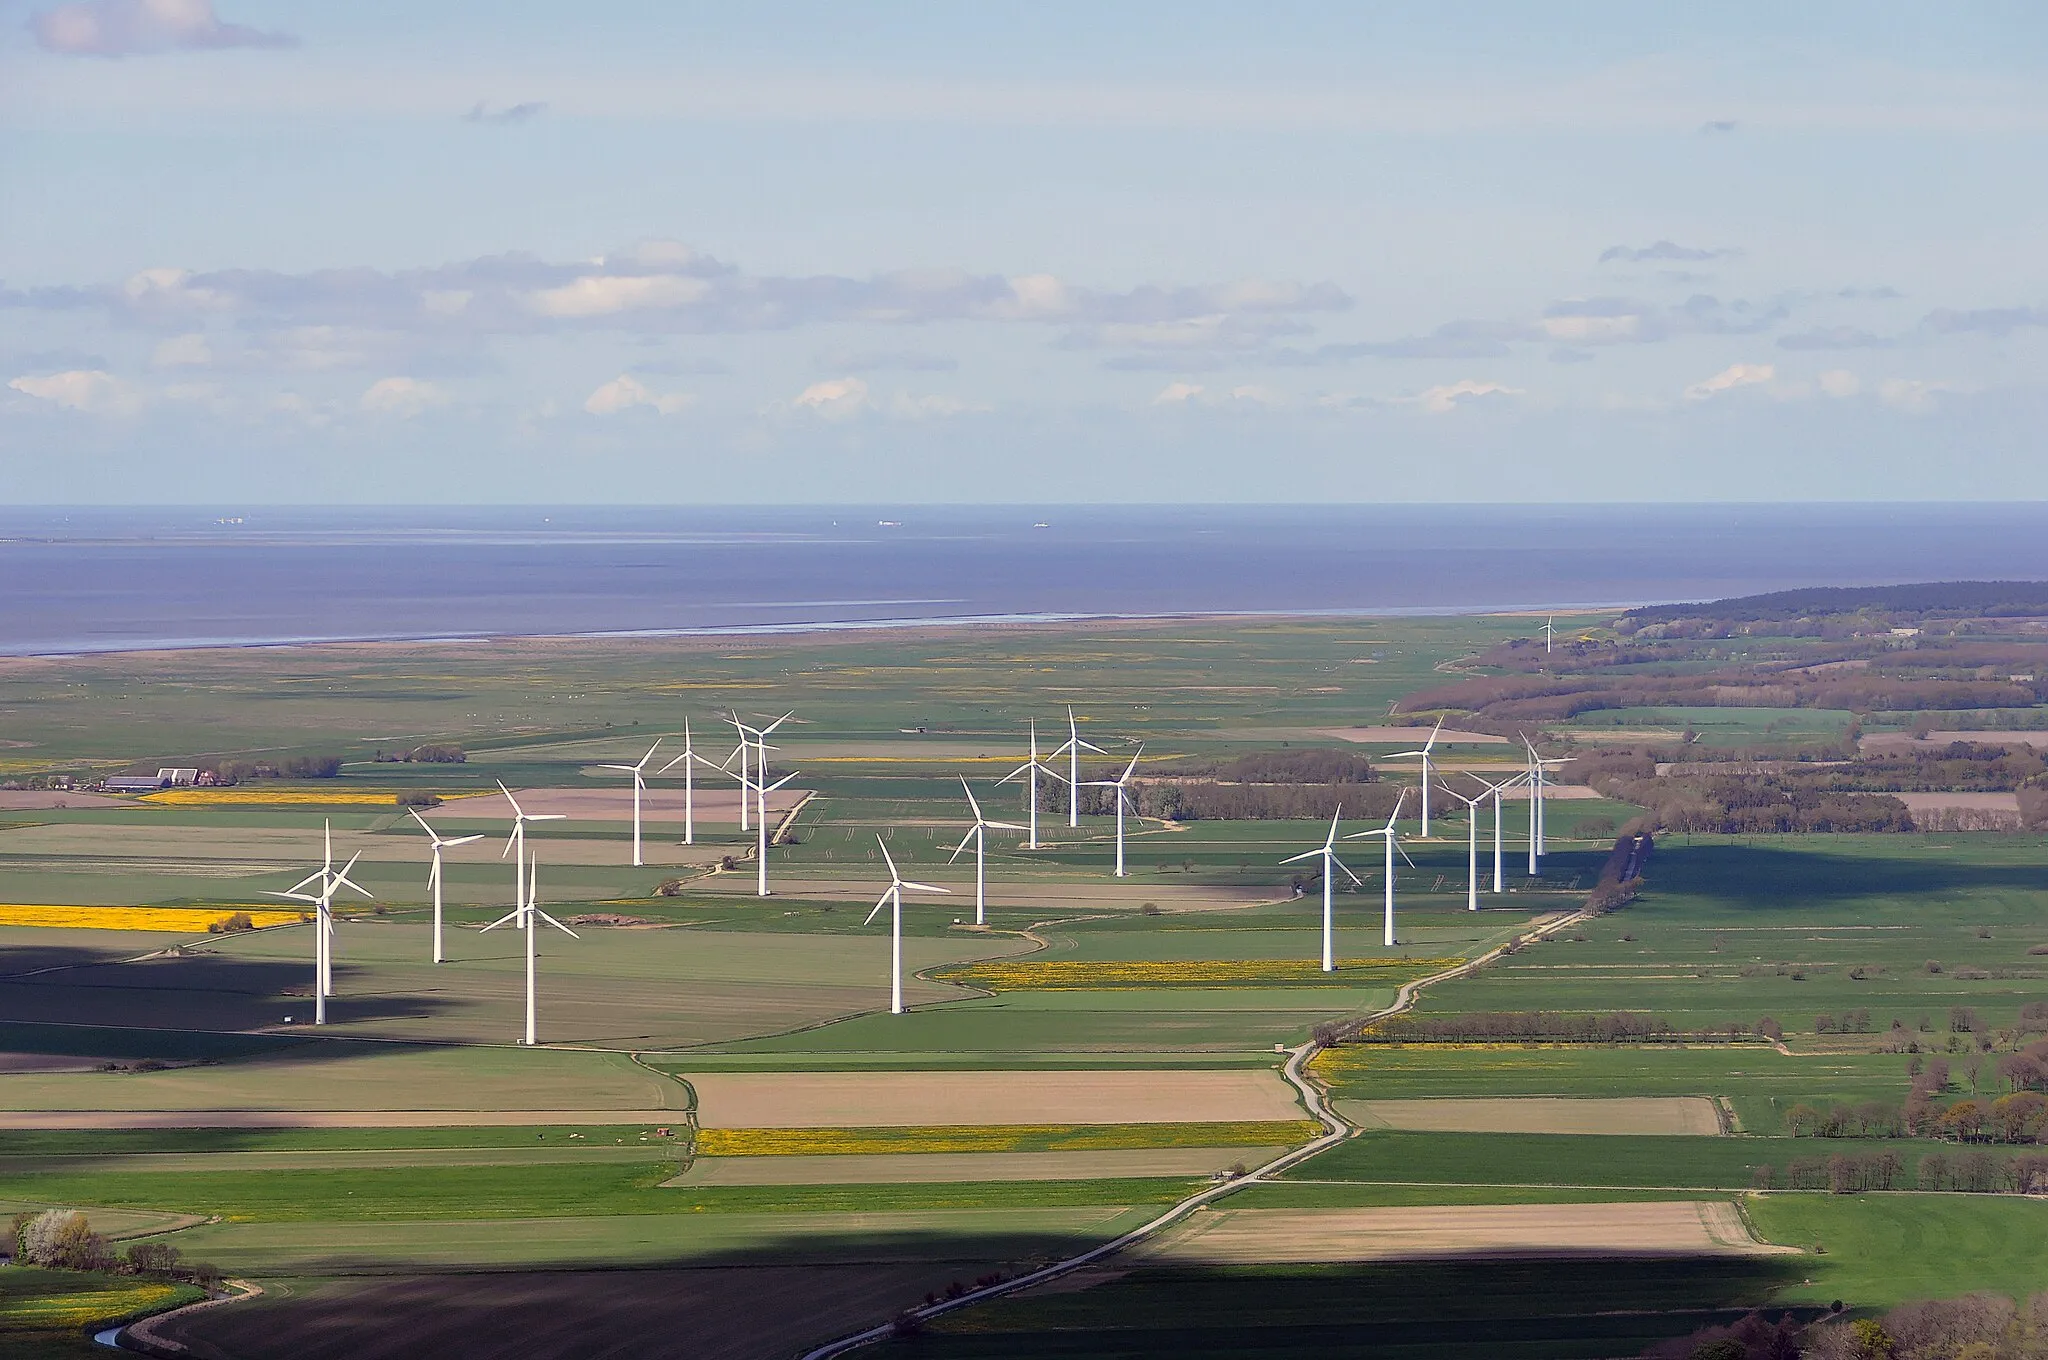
pixel 814 628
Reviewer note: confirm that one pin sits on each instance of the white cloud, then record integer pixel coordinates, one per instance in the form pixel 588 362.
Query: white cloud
pixel 1915 396
pixel 124 28
pixel 834 399
pixel 609 294
pixel 401 397
pixel 1583 329
pixel 90 390
pixel 1448 397
pixel 183 351
pixel 1840 382
pixel 1730 378
pixel 906 407
pixel 625 392
pixel 1177 394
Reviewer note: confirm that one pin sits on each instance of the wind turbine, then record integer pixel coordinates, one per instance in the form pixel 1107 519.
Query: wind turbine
pixel 1499 822
pixel 527 917
pixel 517 840
pixel 434 874
pixel 1471 845
pixel 1122 797
pixel 761 850
pixel 979 835
pixel 1548 633
pixel 1072 748
pixel 1392 839
pixel 892 897
pixel 639 773
pixel 323 918
pixel 1328 851
pixel 1428 766
pixel 688 758
pixel 1029 769
pixel 1536 764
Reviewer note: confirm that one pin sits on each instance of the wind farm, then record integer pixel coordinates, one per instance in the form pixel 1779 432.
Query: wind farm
pixel 697 1076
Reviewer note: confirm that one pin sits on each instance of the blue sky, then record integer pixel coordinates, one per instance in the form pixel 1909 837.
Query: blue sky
pixel 259 252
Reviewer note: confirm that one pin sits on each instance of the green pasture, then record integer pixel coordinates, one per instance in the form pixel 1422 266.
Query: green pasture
pixel 52 1312
pixel 1877 1250
pixel 1721 726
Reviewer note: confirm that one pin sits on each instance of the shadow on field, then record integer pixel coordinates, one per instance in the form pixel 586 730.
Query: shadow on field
pixel 773 1300
pixel 1775 877
pixel 194 991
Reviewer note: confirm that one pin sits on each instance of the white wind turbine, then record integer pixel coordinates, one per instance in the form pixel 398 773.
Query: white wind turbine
pixel 517 840
pixel 323 918
pixel 639 773
pixel 892 897
pixel 1328 851
pixel 1499 822
pixel 527 916
pixel 979 835
pixel 687 759
pixel 434 874
pixel 1122 797
pixel 1428 754
pixel 1072 748
pixel 1534 775
pixel 1549 632
pixel 1392 838
pixel 1471 845
pixel 761 822
pixel 1030 771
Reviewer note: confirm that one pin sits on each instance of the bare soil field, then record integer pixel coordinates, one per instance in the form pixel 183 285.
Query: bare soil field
pixel 46 1062
pixel 1541 1114
pixel 793 1100
pixel 1411 736
pixel 1928 808
pixel 940 1167
pixel 708 1314
pixel 327 1119
pixel 1261 1236
pixel 16 800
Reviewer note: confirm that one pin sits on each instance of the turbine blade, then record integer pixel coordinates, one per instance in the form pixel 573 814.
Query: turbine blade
pixel 650 754
pixel 556 924
pixel 887 858
pixel 422 821
pixel 878 908
pixel 511 915
pixel 965 841
pixel 1004 826
pixel 509 798
pixel 290 896
pixel 925 887
pixel 547 816
pixel 1347 871
pixel 460 840
pixel 970 797
pixel 1306 854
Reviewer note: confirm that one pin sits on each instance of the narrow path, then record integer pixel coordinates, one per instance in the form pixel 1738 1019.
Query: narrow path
pixel 1312 1099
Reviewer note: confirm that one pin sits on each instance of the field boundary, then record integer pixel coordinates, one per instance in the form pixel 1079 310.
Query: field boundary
pixel 143 1334
pixel 1313 1098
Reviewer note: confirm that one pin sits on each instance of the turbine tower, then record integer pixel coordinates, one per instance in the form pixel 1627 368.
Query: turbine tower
pixel 1328 851
pixel 323 918
pixel 1029 770
pixel 517 840
pixel 527 916
pixel 1122 797
pixel 687 759
pixel 1392 838
pixel 1428 754
pixel 761 850
pixel 1499 881
pixel 892 897
pixel 1471 845
pixel 434 874
pixel 1072 748
pixel 639 773
pixel 979 835
pixel 1534 774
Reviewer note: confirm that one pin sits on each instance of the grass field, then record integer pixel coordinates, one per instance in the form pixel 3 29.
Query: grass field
pixel 49 1312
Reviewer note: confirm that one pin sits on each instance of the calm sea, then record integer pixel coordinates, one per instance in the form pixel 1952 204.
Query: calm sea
pixel 107 580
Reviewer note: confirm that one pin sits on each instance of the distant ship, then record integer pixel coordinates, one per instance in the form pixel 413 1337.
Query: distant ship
pixel 888 524
pixel 1041 525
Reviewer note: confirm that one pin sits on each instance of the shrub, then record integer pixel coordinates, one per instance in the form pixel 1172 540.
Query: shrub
pixel 153 1258
pixel 438 753
pixel 62 1238
pixel 419 799
pixel 229 925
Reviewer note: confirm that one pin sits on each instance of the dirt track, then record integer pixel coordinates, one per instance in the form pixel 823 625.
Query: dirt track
pixel 1243 1236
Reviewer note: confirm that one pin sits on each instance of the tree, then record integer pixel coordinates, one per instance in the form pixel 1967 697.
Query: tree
pixel 62 1238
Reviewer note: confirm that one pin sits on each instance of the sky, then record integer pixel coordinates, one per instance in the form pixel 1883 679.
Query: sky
pixel 262 252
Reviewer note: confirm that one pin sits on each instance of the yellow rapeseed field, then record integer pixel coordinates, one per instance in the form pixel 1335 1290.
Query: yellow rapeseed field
pixel 1091 975
pixel 178 920
pixel 999 1138
pixel 81 1308
pixel 240 797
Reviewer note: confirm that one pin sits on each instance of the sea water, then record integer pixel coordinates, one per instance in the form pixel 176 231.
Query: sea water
pixel 77 580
